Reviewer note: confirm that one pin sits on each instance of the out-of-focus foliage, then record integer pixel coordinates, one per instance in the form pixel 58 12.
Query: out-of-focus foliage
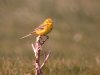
pixel 76 33
pixel 76 25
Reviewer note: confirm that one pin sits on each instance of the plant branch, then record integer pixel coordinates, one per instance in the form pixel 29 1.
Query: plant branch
pixel 37 50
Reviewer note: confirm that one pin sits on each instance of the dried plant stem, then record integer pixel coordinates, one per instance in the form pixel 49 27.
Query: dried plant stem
pixel 45 60
pixel 37 49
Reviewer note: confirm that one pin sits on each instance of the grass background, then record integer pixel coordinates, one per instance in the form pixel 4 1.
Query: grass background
pixel 74 41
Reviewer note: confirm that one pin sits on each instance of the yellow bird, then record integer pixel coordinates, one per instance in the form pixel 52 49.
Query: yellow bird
pixel 43 29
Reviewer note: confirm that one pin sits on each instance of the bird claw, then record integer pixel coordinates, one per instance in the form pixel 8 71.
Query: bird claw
pixel 42 39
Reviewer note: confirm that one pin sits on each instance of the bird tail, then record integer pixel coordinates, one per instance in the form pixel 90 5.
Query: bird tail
pixel 25 36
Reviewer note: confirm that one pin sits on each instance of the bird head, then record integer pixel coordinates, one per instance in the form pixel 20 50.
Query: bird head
pixel 48 21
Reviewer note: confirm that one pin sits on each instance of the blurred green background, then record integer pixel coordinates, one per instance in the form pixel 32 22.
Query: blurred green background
pixel 76 33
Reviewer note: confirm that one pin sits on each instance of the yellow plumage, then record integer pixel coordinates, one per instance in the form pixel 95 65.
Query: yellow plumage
pixel 43 29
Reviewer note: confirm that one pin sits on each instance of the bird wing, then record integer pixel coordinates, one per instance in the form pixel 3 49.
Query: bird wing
pixel 41 27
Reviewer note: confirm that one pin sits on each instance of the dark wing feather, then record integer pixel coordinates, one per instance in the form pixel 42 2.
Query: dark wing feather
pixel 40 28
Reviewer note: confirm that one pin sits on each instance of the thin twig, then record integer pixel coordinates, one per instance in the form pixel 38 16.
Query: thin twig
pixel 33 48
pixel 45 60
